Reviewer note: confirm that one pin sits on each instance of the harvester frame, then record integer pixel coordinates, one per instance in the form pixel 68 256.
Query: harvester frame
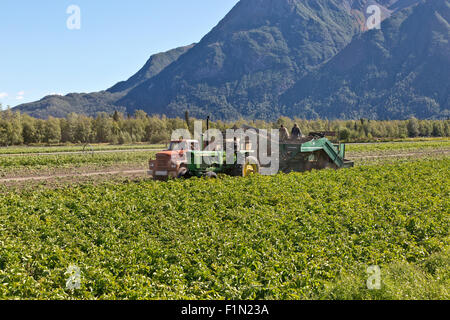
pixel 312 152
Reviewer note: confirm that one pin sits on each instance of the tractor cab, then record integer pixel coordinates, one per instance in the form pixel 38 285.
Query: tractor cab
pixel 184 145
pixel 168 163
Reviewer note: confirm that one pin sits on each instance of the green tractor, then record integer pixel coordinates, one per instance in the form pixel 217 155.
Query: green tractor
pixel 197 166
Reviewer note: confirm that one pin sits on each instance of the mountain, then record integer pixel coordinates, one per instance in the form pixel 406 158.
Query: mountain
pixel 268 58
pixel 400 71
pixel 153 67
pixel 249 59
pixel 103 101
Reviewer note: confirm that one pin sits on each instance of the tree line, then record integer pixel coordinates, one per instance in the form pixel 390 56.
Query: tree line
pixel 21 129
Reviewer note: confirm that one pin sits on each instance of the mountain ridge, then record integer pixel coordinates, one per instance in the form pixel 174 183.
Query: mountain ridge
pixel 250 63
pixel 242 65
pixel 101 101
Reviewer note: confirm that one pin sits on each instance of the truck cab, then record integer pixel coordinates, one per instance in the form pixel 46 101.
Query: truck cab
pixel 169 162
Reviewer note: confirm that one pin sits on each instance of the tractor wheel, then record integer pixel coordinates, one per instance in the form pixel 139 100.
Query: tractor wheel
pixel 211 175
pixel 250 167
pixel 183 173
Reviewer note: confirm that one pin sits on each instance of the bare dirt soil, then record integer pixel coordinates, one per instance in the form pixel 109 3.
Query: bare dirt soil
pixel 78 152
pixel 397 154
pixel 76 175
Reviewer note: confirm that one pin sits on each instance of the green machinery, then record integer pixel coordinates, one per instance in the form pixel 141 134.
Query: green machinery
pixel 295 155
pixel 197 166
pixel 312 152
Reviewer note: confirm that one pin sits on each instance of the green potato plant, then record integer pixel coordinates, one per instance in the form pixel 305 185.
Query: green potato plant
pixel 290 236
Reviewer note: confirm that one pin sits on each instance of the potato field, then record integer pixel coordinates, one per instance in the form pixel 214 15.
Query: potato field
pixel 290 236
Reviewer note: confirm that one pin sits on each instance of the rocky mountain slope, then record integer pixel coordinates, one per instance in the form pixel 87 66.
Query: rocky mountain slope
pixel 308 58
pixel 400 71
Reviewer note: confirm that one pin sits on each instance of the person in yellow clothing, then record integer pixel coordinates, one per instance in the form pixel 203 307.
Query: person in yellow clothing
pixel 284 133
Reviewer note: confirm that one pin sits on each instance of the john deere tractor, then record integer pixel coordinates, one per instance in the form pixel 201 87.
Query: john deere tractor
pixel 211 163
pixel 295 155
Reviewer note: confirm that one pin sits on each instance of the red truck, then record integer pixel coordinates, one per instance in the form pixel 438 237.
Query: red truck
pixel 173 161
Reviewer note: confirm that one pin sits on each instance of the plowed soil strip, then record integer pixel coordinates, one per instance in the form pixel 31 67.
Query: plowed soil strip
pixel 61 176
pixel 77 152
pixel 398 155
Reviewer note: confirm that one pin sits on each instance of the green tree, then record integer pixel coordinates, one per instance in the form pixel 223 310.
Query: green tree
pixel 117 116
pixel 103 127
pixel 52 133
pixel 344 134
pixel 83 130
pixel 447 128
pixel 29 130
pixel 413 127
pixel 438 129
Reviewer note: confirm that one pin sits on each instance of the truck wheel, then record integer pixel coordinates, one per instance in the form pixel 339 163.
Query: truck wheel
pixel 211 175
pixel 183 173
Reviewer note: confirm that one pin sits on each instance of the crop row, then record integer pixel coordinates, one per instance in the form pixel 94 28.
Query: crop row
pixel 296 236
pixel 37 162
pixel 399 146
pixel 75 148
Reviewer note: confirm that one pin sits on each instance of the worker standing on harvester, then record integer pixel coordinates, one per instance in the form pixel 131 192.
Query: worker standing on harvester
pixel 296 132
pixel 284 133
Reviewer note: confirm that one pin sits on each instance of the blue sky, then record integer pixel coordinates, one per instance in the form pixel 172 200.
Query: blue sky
pixel 39 55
